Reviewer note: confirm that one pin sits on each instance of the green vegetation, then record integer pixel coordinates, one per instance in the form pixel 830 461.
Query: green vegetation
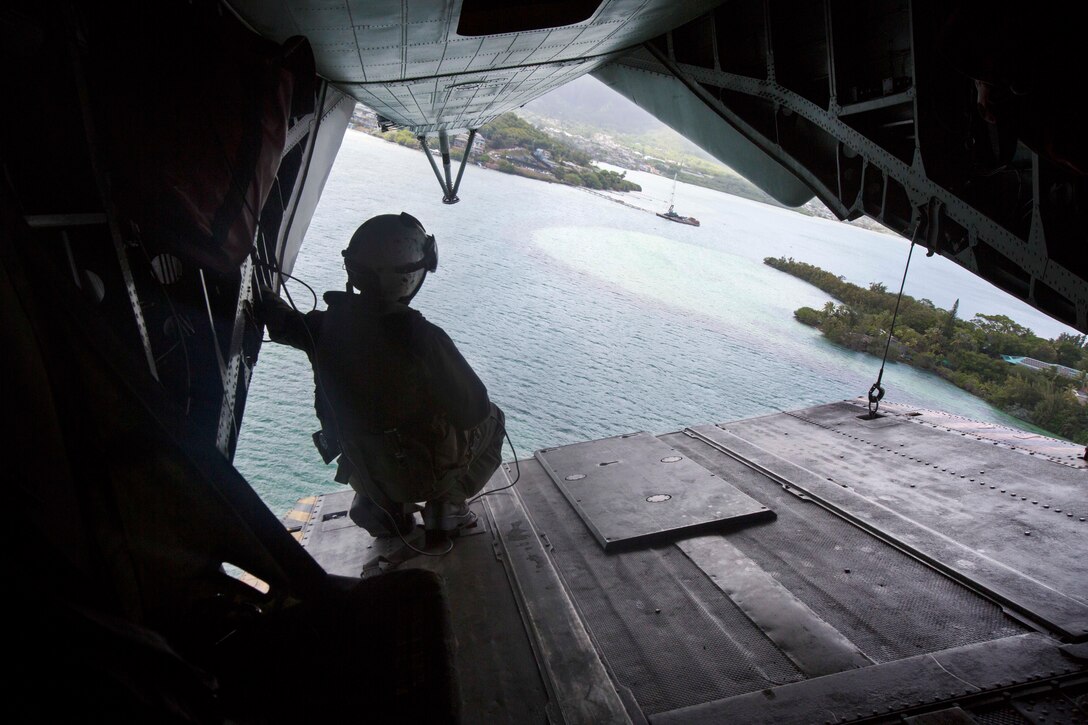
pixel 661 150
pixel 515 139
pixel 964 352
pixel 508 131
pixel 511 143
pixel 401 136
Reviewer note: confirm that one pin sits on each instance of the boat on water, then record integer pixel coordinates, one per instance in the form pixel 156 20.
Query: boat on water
pixel 672 215
pixel 827 564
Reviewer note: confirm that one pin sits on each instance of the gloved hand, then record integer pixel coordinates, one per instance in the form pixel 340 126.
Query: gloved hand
pixel 264 302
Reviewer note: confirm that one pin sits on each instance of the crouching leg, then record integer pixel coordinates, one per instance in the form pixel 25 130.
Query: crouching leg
pixel 448 513
pixel 381 516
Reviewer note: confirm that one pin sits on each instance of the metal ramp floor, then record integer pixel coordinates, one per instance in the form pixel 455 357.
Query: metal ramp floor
pixel 885 585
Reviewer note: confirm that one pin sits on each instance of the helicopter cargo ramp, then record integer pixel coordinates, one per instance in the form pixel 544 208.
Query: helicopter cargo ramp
pixel 808 566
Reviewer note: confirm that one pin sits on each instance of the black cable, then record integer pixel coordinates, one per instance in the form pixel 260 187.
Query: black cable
pixel 876 392
pixel 517 477
pixel 280 272
pixel 180 329
pixel 169 350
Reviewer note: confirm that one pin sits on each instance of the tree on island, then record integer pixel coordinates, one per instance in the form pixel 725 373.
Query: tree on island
pixel 967 353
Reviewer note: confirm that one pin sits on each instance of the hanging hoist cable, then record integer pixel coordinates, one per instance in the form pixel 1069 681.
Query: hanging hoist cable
pixel 876 393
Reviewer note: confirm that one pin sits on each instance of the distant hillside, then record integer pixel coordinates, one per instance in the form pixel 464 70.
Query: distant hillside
pixel 586 106
pixel 589 102
pixel 609 127
pixel 591 118
pixel 513 146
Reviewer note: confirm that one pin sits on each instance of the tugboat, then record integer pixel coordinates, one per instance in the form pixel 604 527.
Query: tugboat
pixel 671 214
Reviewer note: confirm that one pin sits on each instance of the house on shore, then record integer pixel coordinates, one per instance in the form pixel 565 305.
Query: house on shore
pixel 479 143
pixel 1030 362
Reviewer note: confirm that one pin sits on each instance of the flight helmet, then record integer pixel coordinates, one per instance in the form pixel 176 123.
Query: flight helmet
pixel 389 255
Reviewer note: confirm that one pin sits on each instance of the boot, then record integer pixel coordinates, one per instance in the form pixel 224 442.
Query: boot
pixel 443 520
pixel 378 522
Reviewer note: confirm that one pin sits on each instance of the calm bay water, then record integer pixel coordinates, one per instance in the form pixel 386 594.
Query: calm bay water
pixel 586 318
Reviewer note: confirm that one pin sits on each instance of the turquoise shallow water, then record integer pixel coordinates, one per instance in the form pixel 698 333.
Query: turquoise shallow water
pixel 586 318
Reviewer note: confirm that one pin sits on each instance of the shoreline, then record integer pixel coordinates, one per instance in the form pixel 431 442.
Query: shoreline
pixel 982 356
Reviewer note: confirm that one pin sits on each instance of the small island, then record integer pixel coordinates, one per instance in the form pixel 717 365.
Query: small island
pixel 1040 381
pixel 514 146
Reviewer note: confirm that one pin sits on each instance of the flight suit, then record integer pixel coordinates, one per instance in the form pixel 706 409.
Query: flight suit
pixel 413 420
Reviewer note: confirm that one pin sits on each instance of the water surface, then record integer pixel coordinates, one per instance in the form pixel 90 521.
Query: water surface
pixel 586 318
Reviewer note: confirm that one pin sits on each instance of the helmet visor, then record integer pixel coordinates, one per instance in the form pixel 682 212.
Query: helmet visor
pixel 429 260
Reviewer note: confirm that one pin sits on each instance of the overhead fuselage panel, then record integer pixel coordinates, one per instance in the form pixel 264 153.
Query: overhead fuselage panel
pixel 450 66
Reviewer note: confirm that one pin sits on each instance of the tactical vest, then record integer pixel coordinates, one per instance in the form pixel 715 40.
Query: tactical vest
pixel 374 384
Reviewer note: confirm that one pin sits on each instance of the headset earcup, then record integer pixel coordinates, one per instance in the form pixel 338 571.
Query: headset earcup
pixel 430 254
